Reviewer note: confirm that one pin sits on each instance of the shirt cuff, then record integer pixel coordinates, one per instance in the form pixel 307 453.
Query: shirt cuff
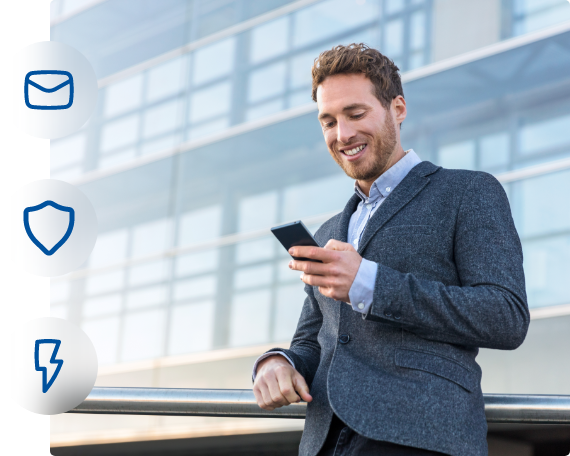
pixel 267 355
pixel 362 290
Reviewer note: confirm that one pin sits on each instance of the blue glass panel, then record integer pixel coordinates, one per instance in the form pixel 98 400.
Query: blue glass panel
pixel 213 61
pixel 162 118
pixel 269 39
pixel 494 150
pixel 542 204
pixel 544 135
pixel 331 17
pixel 538 14
pixel 166 79
pixel 208 128
pixel 290 299
pixel 210 102
pixel 458 156
pixel 249 319
pixel 547 269
pixel 253 277
pixel 132 197
pixel 142 335
pixel 301 65
pixel 120 133
pixel 191 327
pixel 123 96
pixel 104 333
pixel 393 44
pixel 395 6
pixel 265 109
pixel 267 82
pixel 120 33
pixel 418 30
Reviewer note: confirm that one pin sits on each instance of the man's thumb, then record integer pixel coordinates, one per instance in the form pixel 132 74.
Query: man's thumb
pixel 334 244
pixel 302 388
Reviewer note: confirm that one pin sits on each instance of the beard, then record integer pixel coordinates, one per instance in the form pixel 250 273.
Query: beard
pixel 378 155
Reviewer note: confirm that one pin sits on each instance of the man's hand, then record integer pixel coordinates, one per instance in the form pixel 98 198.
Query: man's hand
pixel 277 383
pixel 334 276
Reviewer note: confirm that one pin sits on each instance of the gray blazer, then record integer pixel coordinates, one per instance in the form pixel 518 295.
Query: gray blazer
pixel 450 279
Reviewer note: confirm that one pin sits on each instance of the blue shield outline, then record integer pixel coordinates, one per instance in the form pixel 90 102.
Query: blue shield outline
pixel 28 82
pixel 65 237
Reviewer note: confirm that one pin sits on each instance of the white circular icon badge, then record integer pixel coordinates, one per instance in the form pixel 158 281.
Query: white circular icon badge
pixel 54 365
pixel 56 89
pixel 56 227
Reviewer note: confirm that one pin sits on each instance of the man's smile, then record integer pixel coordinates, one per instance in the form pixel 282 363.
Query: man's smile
pixel 353 153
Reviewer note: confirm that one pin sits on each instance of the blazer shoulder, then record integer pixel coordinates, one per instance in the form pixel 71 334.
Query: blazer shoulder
pixel 466 178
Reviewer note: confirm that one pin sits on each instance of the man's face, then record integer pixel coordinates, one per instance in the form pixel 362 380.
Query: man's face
pixel 360 134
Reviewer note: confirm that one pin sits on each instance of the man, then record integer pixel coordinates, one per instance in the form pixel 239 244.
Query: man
pixel 422 267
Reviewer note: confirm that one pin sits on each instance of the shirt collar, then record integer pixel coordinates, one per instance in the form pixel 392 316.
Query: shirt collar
pixel 388 181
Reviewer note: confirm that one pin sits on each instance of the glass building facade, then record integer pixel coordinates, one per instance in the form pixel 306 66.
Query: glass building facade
pixel 205 136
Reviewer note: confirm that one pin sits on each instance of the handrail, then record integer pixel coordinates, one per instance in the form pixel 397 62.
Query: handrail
pixel 499 408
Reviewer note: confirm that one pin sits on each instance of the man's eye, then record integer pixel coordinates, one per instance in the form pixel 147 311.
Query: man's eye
pixel 357 116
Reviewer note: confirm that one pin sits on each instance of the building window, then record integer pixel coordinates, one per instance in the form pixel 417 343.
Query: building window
pixel 524 16
pixel 279 74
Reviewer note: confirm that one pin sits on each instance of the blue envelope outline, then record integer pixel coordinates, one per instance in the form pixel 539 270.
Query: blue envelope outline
pixel 29 82
pixel 35 240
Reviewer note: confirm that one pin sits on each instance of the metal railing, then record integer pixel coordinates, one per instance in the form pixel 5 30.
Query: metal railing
pixel 499 408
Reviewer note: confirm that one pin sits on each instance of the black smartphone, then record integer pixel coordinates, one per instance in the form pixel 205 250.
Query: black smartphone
pixel 293 234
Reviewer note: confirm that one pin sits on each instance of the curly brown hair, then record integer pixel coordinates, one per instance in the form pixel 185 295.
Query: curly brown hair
pixel 359 58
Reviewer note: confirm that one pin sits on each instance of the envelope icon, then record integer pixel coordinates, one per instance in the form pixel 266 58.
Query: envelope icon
pixel 48 90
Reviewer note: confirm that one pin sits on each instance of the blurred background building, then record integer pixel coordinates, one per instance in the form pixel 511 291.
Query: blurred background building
pixel 205 136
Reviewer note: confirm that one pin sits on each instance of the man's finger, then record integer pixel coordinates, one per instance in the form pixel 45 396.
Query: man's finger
pixel 301 387
pixel 333 244
pixel 266 396
pixel 309 267
pixel 286 386
pixel 317 280
pixel 277 399
pixel 314 253
pixel 258 396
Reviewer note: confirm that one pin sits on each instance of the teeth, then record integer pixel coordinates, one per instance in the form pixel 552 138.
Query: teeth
pixel 355 150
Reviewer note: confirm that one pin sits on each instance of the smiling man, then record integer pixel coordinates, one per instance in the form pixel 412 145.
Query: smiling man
pixel 421 268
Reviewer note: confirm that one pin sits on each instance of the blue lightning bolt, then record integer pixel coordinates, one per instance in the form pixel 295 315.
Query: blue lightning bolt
pixel 46 385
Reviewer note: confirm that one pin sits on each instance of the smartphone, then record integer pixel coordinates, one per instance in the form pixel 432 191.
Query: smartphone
pixel 293 234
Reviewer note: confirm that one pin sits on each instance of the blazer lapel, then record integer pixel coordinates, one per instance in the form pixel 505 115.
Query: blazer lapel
pixel 411 185
pixel 341 232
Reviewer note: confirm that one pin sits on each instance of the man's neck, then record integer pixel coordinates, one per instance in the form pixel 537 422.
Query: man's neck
pixel 365 186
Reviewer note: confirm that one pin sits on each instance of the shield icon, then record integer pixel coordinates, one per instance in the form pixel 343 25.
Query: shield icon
pixel 53 224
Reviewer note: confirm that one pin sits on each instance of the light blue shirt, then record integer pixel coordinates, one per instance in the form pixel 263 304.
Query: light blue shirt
pixel 362 290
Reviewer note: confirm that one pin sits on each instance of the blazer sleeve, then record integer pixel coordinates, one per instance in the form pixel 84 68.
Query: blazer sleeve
pixel 305 350
pixel 489 309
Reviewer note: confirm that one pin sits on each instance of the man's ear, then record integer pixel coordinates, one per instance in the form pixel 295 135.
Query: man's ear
pixel 399 109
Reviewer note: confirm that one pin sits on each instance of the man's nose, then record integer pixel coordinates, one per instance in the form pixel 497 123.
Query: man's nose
pixel 345 132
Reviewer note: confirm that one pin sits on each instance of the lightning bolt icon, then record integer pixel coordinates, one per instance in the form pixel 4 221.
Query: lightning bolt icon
pixel 46 385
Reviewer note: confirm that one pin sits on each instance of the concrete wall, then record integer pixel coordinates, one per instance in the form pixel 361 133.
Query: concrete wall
pixel 460 26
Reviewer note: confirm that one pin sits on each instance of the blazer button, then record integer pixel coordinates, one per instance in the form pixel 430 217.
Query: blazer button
pixel 344 338
pixel 397 316
pixel 388 313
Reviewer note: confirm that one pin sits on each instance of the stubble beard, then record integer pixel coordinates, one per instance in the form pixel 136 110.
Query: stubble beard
pixel 383 147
